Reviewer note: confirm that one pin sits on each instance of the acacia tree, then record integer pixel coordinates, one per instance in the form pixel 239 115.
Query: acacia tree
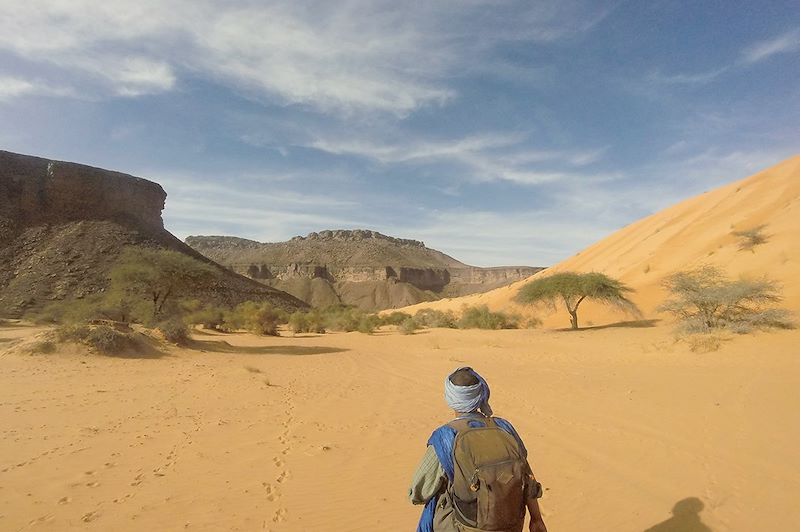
pixel 572 288
pixel 159 275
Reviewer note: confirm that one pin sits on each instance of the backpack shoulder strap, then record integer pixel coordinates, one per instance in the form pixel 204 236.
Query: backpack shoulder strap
pixel 442 441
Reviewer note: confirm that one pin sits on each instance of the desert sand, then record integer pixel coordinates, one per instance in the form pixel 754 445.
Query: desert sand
pixel 695 232
pixel 322 432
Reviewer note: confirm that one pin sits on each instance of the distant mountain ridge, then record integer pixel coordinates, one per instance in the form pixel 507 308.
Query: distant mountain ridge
pixel 359 267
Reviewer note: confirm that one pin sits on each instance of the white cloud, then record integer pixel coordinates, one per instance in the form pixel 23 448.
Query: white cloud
pixel 355 55
pixel 785 43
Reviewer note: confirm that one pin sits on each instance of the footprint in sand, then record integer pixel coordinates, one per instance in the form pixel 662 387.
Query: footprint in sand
pixel 271 492
pixel 92 484
pixel 65 500
pixel 89 517
pixel 279 516
pixel 282 477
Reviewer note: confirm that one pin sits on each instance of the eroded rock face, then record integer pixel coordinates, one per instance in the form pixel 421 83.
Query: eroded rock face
pixel 36 191
pixel 361 267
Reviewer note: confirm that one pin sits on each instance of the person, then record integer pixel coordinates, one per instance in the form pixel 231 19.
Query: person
pixel 475 474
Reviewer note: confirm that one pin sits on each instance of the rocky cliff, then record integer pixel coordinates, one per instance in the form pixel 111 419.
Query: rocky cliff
pixel 63 225
pixel 360 267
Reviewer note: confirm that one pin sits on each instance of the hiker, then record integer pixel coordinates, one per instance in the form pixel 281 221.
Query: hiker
pixel 475 474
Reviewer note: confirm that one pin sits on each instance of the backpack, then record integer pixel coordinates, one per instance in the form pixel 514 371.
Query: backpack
pixel 490 477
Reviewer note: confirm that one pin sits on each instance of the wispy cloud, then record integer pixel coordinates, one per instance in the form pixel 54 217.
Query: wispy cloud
pixel 14 87
pixel 487 157
pixel 374 55
pixel 784 43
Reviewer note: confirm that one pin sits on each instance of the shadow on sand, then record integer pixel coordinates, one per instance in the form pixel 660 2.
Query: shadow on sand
pixel 632 324
pixel 221 346
pixel 685 518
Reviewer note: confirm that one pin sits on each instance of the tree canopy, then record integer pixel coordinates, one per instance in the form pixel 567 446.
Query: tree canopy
pixel 159 275
pixel 572 288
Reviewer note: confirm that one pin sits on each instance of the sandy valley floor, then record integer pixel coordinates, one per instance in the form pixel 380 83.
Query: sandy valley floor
pixel 323 432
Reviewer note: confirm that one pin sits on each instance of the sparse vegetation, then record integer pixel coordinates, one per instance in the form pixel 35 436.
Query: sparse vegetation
pixel 704 300
pixel 174 330
pixel 407 326
pixel 257 318
pixel 750 238
pixel 573 288
pixel 107 339
pixel 43 347
pixel 395 318
pixel 158 276
pixel 430 318
pixel 481 317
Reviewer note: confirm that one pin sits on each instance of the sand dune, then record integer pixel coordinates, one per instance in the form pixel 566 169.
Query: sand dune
pixel 323 432
pixel 692 233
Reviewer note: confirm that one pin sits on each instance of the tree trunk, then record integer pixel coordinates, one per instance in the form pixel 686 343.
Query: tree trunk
pixel 573 318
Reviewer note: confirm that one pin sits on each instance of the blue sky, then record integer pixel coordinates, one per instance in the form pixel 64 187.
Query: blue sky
pixel 500 132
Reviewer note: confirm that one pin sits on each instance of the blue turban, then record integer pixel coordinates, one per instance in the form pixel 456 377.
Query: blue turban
pixel 467 399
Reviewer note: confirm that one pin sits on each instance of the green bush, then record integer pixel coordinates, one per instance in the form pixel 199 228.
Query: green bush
pixel 367 323
pixel 298 322
pixel 174 330
pixel 408 326
pixel 435 318
pixel 257 318
pixel 395 318
pixel 481 317
pixel 210 318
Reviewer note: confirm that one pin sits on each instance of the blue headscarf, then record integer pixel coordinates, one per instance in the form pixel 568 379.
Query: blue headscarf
pixel 467 399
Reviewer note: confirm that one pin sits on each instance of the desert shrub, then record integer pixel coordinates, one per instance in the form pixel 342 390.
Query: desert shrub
pixel 341 317
pixel 315 322
pixel 72 332
pixel 107 339
pixel 481 317
pixel 367 323
pixel 435 318
pixel 529 323
pixel 257 318
pixel 209 318
pixel 298 322
pixel 408 326
pixel 68 311
pixel 395 318
pixel 704 300
pixel 750 238
pixel 174 330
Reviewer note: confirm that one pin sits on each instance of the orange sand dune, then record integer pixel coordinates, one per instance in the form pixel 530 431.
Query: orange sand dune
pixel 322 433
pixel 695 232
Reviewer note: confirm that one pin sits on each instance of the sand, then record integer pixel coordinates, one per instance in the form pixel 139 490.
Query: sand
pixel 322 432
pixel 693 233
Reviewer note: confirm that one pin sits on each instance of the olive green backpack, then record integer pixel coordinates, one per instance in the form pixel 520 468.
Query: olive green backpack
pixel 490 477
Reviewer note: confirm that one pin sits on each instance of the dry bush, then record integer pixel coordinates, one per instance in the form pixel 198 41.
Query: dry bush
pixel 750 238
pixel 407 326
pixel 174 330
pixel 257 318
pixel 430 318
pixel 107 339
pixel 704 300
pixel 43 347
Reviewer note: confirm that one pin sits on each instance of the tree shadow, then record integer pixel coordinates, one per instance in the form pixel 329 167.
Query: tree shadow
pixel 631 324
pixel 685 518
pixel 221 346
